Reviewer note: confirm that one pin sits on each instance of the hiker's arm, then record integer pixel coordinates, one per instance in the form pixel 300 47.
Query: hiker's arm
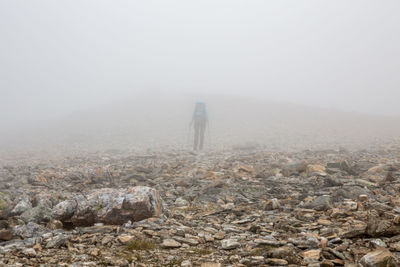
pixel 191 122
pixel 207 121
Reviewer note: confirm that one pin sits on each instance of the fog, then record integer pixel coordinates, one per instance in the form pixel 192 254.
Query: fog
pixel 127 73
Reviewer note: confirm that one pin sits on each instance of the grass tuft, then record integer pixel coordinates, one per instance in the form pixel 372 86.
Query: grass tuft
pixel 260 251
pixel 202 251
pixel 140 244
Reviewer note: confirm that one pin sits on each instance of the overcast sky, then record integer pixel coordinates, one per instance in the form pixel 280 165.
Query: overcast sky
pixel 61 56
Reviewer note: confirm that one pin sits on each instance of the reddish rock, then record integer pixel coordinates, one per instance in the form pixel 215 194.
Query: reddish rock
pixel 379 258
pixel 6 234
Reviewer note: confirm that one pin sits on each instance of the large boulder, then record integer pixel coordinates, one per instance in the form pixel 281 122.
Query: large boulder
pixel 379 258
pixel 29 230
pixel 40 210
pixel 22 206
pixel 321 203
pixel 5 204
pixel 37 214
pixel 109 206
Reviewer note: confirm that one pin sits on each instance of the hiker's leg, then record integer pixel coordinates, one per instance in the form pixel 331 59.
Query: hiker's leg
pixel 196 135
pixel 202 132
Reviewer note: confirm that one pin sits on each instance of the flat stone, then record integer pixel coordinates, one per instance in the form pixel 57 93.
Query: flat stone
pixel 380 257
pixel 377 243
pixel 321 203
pixel 324 222
pixel 229 244
pixel 57 241
pixel 317 169
pixel 29 252
pixel 276 262
pixel 311 256
pixel 125 238
pixel 186 263
pixel 395 246
pixel 219 235
pixel 281 252
pixel 170 243
pixel 211 264
pixel 94 252
pixel 106 240
pixel 180 202
pixel 189 241
pixel 275 243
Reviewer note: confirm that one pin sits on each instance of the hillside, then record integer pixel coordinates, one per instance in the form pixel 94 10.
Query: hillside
pixel 162 120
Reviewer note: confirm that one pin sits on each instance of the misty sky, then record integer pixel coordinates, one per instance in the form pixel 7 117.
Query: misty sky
pixel 57 57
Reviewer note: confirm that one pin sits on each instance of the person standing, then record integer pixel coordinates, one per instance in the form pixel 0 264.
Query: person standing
pixel 200 121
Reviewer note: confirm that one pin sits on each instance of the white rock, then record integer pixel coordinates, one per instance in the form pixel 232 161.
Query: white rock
pixel 186 263
pixel 170 243
pixel 21 207
pixel 180 202
pixel 29 252
pixel 229 244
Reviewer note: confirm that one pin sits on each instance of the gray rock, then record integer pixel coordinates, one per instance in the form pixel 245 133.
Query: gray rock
pixel 110 206
pixel 189 241
pixel 65 210
pixel 43 199
pixel 57 241
pixel 186 263
pixel 377 243
pixel 28 230
pixel 29 252
pixel 228 244
pixel 22 206
pixel 5 204
pixel 180 202
pixel 37 214
pixel 345 166
pixel 321 203
pixel 293 168
pixel 170 243
pixel 337 254
pixel 269 242
pixel 380 257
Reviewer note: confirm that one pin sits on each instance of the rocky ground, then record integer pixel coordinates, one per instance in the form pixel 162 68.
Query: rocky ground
pixel 244 206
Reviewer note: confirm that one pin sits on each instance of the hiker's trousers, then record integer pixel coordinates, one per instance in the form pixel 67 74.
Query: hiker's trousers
pixel 199 131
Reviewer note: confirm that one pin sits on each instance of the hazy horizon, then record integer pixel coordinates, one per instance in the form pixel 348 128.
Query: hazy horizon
pixel 63 58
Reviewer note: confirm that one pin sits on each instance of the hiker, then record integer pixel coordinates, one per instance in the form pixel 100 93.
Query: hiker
pixel 200 120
